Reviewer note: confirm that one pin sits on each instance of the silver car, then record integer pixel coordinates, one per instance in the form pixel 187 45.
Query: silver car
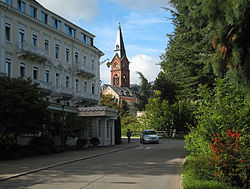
pixel 149 136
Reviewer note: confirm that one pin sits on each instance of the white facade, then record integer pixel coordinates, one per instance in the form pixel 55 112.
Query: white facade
pixel 39 44
pixel 52 51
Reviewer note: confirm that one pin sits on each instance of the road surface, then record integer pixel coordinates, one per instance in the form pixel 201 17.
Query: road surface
pixel 147 166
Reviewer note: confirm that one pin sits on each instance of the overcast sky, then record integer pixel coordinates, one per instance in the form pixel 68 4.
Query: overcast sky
pixel 144 26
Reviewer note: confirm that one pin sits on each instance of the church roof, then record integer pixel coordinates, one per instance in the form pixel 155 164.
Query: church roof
pixel 122 91
pixel 119 44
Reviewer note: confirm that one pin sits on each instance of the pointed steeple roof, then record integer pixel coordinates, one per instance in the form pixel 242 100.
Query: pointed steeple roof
pixel 119 45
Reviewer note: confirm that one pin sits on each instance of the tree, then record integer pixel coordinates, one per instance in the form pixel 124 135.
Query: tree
pixel 108 100
pixel 22 108
pixel 145 92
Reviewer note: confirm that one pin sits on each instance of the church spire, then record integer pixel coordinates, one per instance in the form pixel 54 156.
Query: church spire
pixel 119 45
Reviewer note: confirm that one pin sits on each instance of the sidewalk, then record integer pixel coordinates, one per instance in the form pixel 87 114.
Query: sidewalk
pixel 15 168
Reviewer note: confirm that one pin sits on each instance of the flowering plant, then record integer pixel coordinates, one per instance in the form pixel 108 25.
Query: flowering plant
pixel 227 157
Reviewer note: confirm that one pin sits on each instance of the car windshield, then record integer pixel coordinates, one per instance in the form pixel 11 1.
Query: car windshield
pixel 149 132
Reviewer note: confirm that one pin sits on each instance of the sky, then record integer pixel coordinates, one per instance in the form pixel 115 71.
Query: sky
pixel 144 23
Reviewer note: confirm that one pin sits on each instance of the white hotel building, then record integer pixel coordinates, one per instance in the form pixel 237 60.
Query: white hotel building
pixel 60 56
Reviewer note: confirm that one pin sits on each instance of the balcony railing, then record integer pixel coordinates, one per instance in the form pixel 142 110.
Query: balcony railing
pixel 87 96
pixel 85 71
pixel 29 51
pixel 64 91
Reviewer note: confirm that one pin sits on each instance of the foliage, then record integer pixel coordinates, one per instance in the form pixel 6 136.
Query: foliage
pixel 227 158
pixel 75 126
pixel 6 142
pixel 22 108
pixel 132 123
pixel 168 117
pixel 81 142
pixel 109 101
pixel 145 92
pixel 224 108
pixel 166 88
pixel 95 141
pixel 41 145
pixel 197 174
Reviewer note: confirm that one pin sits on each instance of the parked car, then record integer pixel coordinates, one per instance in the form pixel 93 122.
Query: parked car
pixel 149 136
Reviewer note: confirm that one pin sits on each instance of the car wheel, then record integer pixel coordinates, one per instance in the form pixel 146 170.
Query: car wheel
pixel 157 142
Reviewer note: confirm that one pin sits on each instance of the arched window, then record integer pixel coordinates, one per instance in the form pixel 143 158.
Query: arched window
pixel 116 80
pixel 124 79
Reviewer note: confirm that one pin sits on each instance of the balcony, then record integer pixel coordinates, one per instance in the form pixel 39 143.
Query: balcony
pixel 86 97
pixel 84 71
pixel 46 88
pixel 63 91
pixel 28 51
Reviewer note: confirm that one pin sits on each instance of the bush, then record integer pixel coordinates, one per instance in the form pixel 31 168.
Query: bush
pixel 95 141
pixel 81 142
pixel 222 132
pixel 6 142
pixel 41 145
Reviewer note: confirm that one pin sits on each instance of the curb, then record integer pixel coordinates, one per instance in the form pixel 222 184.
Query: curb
pixel 181 186
pixel 66 162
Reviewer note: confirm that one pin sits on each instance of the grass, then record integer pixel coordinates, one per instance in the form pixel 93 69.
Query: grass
pixel 192 181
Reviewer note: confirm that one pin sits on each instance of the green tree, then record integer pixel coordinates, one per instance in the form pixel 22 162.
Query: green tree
pixel 145 92
pixel 108 100
pixel 22 108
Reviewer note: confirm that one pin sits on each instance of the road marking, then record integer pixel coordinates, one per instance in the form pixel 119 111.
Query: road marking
pixel 143 148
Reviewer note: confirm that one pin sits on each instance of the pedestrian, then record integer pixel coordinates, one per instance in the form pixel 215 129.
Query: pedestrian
pixel 128 135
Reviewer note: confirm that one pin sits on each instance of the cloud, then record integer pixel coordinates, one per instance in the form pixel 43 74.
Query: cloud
pixel 73 9
pixel 147 65
pixel 142 4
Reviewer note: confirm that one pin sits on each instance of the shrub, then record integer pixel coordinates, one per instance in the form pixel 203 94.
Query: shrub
pixel 41 145
pixel 223 113
pixel 81 142
pixel 95 141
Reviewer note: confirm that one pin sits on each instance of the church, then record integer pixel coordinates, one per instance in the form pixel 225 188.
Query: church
pixel 120 73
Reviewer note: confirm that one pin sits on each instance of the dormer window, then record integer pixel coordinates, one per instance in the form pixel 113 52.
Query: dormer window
pixel 117 47
pixel 69 30
pixel 21 5
pixel 33 11
pixel 56 24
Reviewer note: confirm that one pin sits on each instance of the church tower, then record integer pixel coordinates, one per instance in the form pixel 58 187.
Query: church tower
pixel 120 74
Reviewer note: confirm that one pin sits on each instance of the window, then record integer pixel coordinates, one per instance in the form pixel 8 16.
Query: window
pixel 85 60
pixel 46 47
pixel 90 128
pixel 86 39
pixel 85 86
pixel 93 89
pixel 35 73
pixel 46 76
pixel 44 17
pixel 92 64
pixel 57 51
pixel 77 85
pixel 67 82
pixel 91 41
pixel 76 57
pixel 82 37
pixel 56 23
pixel 69 31
pixel 34 40
pixel 108 129
pixel 99 128
pixel 22 70
pixel 8 32
pixel 8 67
pixel 67 55
pixel 21 5
pixel 33 11
pixel 9 2
pixel 21 38
pixel 57 79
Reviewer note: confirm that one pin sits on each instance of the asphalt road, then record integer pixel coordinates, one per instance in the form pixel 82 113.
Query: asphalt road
pixel 146 166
